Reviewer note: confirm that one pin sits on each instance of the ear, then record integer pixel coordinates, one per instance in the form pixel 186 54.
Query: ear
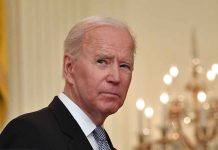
pixel 68 67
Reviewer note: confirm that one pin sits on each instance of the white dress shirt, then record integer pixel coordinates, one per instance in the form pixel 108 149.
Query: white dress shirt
pixel 85 123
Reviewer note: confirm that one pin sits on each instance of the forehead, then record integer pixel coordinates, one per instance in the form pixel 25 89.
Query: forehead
pixel 109 36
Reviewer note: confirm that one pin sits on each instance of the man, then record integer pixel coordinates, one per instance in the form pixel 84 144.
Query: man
pixel 97 67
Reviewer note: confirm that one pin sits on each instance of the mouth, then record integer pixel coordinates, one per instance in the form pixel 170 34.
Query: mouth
pixel 113 94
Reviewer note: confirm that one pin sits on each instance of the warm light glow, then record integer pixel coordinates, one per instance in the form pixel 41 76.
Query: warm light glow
pixel 174 71
pixel 149 112
pixel 201 96
pixel 199 69
pixel 167 79
pixel 206 106
pixel 187 120
pixel 146 131
pixel 211 75
pixel 140 104
pixel 164 98
pixel 196 61
pixel 215 68
pixel 175 136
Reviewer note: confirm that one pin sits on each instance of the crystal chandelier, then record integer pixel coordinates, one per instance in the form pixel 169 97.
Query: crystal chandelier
pixel 189 121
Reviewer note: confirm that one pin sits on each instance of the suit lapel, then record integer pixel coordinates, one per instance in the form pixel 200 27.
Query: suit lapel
pixel 69 126
pixel 109 141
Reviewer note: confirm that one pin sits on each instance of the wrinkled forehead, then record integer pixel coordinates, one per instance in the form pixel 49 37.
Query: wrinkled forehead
pixel 109 36
pixel 109 42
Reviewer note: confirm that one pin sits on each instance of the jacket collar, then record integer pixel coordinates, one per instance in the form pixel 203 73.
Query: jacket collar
pixel 68 125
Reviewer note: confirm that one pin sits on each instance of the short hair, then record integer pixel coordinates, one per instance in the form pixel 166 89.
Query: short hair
pixel 74 39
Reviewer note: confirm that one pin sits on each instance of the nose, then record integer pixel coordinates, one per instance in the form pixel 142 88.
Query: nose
pixel 114 75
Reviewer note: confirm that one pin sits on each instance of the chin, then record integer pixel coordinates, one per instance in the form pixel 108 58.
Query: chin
pixel 111 105
pixel 112 109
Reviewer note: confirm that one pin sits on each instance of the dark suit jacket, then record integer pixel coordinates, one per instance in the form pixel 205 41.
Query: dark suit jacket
pixel 51 128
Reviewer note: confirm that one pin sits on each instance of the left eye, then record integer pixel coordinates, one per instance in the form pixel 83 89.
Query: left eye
pixel 125 66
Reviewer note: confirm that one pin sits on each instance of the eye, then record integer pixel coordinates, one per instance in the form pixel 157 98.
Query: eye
pixel 126 66
pixel 101 61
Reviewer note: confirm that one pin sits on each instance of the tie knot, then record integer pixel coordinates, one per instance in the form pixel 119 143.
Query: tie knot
pixel 99 134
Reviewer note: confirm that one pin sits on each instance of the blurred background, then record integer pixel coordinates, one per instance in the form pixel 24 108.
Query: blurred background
pixel 168 33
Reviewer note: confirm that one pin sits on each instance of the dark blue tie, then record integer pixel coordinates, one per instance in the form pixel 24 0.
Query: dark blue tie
pixel 100 137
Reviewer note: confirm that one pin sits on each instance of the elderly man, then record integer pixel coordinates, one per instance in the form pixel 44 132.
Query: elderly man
pixel 97 67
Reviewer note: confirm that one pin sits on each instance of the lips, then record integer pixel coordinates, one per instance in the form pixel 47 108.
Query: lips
pixel 111 94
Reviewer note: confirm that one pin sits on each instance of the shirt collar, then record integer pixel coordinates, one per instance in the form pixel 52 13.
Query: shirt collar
pixel 85 123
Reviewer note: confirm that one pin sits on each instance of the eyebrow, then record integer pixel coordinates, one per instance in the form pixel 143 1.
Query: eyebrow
pixel 102 55
pixel 110 57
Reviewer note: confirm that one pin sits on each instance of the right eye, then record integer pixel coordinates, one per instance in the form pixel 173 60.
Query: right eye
pixel 101 61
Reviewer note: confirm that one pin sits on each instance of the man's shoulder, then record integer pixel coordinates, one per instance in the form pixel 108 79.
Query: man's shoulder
pixel 31 130
pixel 45 114
pixel 31 120
pixel 35 116
pixel 36 119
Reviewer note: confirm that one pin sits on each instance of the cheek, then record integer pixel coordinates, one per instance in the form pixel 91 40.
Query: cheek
pixel 125 86
pixel 83 79
pixel 127 80
pixel 91 80
pixel 85 73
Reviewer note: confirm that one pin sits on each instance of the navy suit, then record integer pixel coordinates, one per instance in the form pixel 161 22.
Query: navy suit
pixel 51 128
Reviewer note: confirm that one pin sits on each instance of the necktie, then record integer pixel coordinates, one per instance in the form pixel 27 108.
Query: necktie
pixel 100 137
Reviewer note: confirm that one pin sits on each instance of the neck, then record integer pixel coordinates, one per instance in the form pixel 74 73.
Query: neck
pixel 95 116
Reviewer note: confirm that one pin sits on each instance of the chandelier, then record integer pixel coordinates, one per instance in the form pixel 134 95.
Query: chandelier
pixel 189 119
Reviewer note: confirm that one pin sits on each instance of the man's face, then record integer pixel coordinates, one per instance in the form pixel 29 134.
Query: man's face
pixel 103 71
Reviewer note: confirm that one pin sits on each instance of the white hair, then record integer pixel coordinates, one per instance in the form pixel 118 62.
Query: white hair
pixel 74 39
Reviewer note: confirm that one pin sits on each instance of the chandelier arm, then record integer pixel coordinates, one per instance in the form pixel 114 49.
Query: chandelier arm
pixel 213 132
pixel 187 141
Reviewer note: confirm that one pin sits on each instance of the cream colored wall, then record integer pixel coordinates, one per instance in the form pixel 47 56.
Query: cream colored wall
pixel 37 29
